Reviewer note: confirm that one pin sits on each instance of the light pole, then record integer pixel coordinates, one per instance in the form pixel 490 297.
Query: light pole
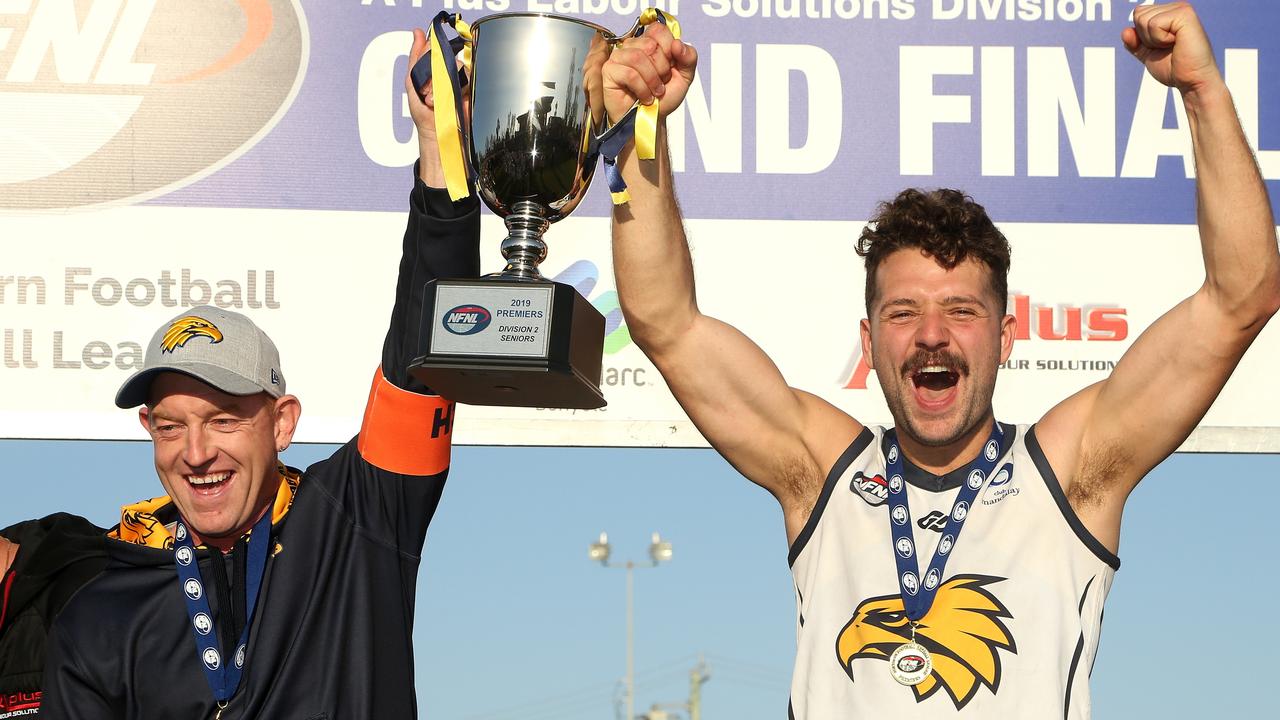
pixel 659 552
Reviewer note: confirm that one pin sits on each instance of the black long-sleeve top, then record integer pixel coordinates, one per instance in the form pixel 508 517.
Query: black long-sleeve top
pixel 331 636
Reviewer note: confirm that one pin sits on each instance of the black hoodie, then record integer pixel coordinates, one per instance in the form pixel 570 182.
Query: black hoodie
pixel 56 555
pixel 330 638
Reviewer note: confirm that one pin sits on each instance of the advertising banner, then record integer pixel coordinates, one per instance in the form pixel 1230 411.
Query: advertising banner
pixel 257 154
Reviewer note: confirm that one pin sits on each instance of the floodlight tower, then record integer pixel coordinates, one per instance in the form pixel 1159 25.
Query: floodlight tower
pixel 659 552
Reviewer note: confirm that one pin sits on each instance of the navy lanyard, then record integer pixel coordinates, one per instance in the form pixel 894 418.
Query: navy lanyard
pixel 917 593
pixel 223 676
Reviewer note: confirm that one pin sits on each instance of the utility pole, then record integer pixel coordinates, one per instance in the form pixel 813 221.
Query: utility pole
pixel 631 638
pixel 663 711
pixel 697 676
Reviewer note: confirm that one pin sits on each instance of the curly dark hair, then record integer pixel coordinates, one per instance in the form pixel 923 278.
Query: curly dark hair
pixel 946 224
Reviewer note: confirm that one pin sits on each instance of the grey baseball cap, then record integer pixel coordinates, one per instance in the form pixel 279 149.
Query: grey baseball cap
pixel 219 347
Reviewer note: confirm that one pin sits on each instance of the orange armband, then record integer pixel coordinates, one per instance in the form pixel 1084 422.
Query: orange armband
pixel 404 432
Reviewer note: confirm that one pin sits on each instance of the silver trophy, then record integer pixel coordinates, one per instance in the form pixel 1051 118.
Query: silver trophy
pixel 516 338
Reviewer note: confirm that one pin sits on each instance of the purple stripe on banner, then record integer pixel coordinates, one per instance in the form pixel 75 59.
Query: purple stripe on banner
pixel 1037 118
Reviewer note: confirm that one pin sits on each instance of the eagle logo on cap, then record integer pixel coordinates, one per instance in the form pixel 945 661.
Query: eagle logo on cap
pixel 183 329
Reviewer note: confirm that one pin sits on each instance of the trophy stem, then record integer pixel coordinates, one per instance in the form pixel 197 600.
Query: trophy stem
pixel 524 248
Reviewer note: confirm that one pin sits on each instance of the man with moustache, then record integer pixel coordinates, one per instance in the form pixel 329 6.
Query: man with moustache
pixel 913 618
pixel 254 590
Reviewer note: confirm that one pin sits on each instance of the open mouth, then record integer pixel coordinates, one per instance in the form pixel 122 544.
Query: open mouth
pixel 934 378
pixel 937 378
pixel 209 482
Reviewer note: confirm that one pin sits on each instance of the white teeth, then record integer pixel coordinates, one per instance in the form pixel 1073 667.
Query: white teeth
pixel 934 369
pixel 208 479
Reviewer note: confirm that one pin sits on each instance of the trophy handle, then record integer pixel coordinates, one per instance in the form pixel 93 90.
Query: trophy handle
pixel 648 17
pixel 639 123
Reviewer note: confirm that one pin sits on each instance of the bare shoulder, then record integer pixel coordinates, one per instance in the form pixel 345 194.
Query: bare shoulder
pixel 828 432
pixel 1090 464
pixel 1061 431
pixel 1093 470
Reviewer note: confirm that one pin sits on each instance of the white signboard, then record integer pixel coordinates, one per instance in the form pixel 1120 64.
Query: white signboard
pixel 263 165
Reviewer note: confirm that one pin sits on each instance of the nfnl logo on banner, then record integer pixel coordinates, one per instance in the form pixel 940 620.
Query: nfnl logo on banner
pixel 109 100
pixel 257 154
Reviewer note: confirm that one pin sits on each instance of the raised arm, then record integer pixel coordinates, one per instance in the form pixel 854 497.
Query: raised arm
pixel 1103 440
pixel 390 479
pixel 780 438
pixel 441 240
pixel 407 429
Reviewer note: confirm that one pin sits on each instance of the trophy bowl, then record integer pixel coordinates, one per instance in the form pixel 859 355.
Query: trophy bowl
pixel 536 107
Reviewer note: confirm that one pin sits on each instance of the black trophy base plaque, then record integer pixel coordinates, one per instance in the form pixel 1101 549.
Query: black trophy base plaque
pixel 518 343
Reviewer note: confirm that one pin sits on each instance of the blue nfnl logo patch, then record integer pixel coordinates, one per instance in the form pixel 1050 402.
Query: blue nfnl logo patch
pixel 467 319
pixel 1001 477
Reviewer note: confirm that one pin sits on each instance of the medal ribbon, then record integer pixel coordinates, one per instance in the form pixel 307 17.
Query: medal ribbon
pixel 223 675
pixel 918 592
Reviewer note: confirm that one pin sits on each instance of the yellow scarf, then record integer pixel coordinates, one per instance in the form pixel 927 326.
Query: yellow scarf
pixel 140 526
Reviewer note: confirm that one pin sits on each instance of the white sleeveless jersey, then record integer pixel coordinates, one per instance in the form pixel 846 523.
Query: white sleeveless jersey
pixel 1013 628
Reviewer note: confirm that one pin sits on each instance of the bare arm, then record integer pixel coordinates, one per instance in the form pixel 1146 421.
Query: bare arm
pixel 780 438
pixel 1108 436
pixel 8 551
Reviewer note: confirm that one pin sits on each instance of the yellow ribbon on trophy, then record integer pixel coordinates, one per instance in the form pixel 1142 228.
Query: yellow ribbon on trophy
pixel 448 104
pixel 443 62
pixel 640 123
pixel 647 115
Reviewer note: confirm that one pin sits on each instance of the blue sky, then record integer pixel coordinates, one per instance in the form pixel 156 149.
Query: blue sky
pixel 515 622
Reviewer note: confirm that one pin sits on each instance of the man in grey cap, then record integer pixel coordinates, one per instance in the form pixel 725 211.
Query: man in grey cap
pixel 214 367
pixel 255 590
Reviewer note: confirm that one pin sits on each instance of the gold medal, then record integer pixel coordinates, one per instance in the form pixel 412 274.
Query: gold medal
pixel 910 664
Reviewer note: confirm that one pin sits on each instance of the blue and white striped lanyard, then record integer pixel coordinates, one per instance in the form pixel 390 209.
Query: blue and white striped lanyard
pixel 223 675
pixel 918 593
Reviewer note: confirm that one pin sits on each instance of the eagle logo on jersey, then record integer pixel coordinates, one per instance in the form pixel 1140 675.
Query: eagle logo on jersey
pixel 183 329
pixel 964 631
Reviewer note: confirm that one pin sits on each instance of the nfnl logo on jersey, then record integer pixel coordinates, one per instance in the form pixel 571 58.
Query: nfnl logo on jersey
pixel 85 85
pixel 467 319
pixel 873 489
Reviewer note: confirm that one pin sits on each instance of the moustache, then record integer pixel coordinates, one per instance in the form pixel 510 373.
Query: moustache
pixel 924 359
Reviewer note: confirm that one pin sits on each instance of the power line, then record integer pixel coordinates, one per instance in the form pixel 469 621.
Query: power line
pixel 753 684
pixel 590 692
pixel 726 660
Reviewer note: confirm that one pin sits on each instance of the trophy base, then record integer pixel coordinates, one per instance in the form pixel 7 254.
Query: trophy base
pixel 515 343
